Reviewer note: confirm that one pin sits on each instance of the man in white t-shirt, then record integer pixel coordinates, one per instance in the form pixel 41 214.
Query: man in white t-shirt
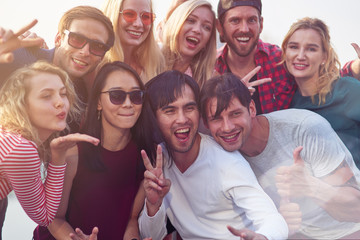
pixel 296 156
pixel 211 188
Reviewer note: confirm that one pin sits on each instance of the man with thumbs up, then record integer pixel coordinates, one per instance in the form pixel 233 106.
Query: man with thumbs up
pixel 296 156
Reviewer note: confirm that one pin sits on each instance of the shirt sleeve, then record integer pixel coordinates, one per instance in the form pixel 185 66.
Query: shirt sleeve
pixel 22 168
pixel 346 70
pixel 155 226
pixel 258 206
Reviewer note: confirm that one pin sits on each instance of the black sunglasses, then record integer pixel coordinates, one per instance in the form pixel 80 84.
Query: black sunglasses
pixel 118 97
pixel 78 41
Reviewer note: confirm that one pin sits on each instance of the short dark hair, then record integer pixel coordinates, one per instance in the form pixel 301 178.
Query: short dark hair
pixel 82 12
pixel 226 5
pixel 160 91
pixel 224 88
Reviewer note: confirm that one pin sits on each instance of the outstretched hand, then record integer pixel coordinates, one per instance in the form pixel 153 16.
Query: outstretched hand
pixel 81 236
pixel 9 41
pixel 246 234
pixel 251 85
pixel 60 145
pixel 155 185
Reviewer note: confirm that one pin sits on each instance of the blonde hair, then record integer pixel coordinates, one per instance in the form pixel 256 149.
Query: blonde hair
pixel 202 64
pixel 13 106
pixel 329 71
pixel 148 53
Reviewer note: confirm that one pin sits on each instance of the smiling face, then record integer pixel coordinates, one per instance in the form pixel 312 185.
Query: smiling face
pixel 232 127
pixel 304 55
pixel 241 29
pixel 133 34
pixel 179 121
pixel 122 116
pixel 79 62
pixel 195 32
pixel 47 103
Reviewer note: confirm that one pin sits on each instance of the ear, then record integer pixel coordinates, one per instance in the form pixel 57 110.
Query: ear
pixel 219 27
pixel 261 21
pixel 99 107
pixel 252 109
pixel 58 40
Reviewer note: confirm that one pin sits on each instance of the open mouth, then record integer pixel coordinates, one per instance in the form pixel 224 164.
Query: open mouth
pixel 79 62
pixel 192 41
pixel 243 39
pixel 182 134
pixel 137 34
pixel 230 138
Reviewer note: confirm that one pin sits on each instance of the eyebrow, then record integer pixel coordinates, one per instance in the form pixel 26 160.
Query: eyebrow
pixel 51 89
pixel 173 107
pixel 308 45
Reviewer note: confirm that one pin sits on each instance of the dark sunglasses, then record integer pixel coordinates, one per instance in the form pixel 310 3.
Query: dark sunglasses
pixel 118 97
pixel 130 16
pixel 78 41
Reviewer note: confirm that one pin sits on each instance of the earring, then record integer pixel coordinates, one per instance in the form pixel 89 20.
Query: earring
pixel 98 114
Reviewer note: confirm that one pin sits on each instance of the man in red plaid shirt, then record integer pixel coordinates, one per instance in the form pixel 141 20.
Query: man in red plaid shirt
pixel 240 24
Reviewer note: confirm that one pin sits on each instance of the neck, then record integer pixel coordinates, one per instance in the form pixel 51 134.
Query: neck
pixel 258 138
pixel 183 160
pixel 182 64
pixel 115 140
pixel 239 65
pixel 307 86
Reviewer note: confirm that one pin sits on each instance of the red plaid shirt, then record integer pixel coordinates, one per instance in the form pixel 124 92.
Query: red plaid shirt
pixel 278 93
pixel 346 70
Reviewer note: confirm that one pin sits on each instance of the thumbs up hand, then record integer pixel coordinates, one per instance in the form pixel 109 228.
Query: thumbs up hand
pixel 295 180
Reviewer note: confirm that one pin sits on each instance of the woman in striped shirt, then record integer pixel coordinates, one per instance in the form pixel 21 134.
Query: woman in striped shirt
pixel 35 104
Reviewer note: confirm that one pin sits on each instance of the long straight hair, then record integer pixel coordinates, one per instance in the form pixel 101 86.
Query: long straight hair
pixel 92 125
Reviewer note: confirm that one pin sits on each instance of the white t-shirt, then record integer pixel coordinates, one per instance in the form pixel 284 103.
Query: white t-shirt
pixel 217 190
pixel 322 153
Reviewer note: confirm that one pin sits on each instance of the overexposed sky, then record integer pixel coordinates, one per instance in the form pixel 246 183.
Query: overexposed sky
pixel 340 16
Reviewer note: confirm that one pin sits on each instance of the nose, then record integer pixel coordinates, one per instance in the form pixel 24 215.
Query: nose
pixel 59 101
pixel 227 125
pixel 243 26
pixel 138 21
pixel 181 117
pixel 196 28
pixel 85 50
pixel 301 54
pixel 127 102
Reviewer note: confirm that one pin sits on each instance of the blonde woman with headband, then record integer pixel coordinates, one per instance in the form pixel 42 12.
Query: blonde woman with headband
pixel 35 104
pixel 189 40
pixel 135 44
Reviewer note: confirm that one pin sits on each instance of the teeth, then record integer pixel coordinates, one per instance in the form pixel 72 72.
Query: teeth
pixel 134 33
pixel 230 137
pixel 300 65
pixel 193 39
pixel 79 62
pixel 185 130
pixel 243 39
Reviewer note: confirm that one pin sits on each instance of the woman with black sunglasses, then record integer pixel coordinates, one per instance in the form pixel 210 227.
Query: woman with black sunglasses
pixel 100 187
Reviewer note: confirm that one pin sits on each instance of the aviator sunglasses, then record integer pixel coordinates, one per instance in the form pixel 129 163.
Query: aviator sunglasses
pixel 117 97
pixel 78 41
pixel 130 16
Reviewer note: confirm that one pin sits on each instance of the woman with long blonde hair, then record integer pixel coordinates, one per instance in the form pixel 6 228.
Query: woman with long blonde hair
pixel 36 102
pixel 189 40
pixel 310 58
pixel 134 36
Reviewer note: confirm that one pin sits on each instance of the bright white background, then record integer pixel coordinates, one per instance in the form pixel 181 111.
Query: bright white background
pixel 341 17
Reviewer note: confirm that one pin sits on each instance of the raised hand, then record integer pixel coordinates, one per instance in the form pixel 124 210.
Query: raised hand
pixel 357 48
pixel 292 215
pixel 253 84
pixel 155 185
pixel 246 234
pixel 9 41
pixel 295 180
pixel 81 236
pixel 60 145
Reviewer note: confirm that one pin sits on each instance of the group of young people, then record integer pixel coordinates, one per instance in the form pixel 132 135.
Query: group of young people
pixel 121 121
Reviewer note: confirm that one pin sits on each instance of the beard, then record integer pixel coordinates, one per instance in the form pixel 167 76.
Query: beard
pixel 239 50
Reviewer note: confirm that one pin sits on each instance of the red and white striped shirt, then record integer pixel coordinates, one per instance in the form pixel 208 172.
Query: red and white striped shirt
pixel 20 171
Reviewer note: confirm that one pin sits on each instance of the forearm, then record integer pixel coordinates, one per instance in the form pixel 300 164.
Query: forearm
pixel 341 202
pixel 155 226
pixel 60 229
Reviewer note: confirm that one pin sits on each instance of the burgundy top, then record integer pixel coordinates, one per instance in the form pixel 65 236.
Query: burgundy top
pixel 104 199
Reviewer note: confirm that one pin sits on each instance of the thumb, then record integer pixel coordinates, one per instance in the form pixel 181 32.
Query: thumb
pixel 296 155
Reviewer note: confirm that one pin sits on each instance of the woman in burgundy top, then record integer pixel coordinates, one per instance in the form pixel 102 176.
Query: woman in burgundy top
pixel 102 182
